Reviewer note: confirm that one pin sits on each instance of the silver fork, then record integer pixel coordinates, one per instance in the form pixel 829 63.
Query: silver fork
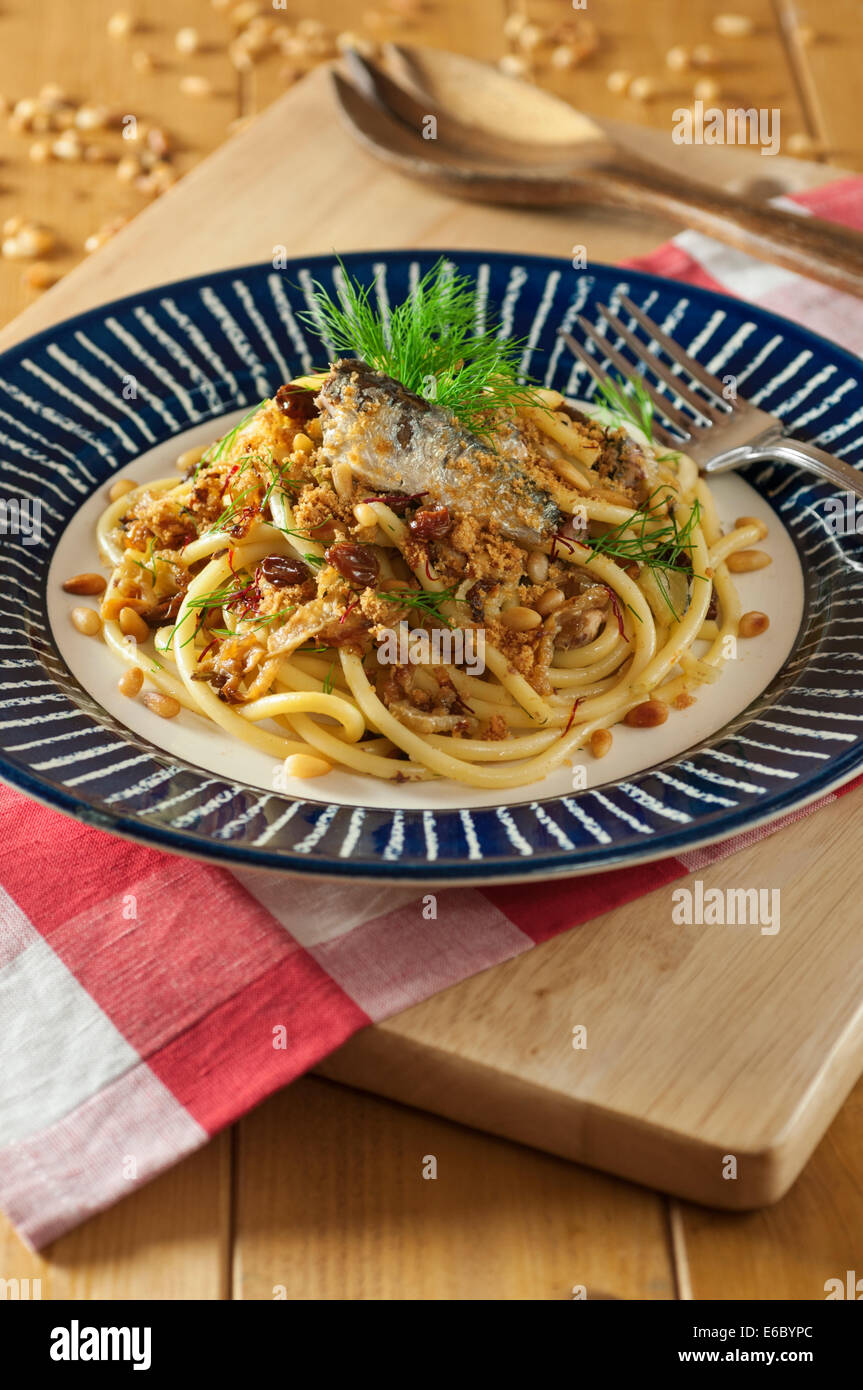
pixel 733 433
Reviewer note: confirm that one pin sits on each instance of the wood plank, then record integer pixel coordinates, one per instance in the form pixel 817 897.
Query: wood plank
pixel 70 46
pixel 332 1204
pixel 788 1251
pixel 169 1239
pixel 702 1041
pixel 828 70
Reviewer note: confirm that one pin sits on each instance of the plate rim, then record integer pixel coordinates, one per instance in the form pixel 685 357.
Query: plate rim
pixel 555 863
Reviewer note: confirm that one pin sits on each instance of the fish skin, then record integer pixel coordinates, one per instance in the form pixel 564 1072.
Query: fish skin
pixel 397 442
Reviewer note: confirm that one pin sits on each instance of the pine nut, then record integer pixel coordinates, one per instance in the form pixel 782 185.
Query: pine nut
pixel 706 89
pixel 743 561
pixel 196 86
pixel 564 56
pixel 92 117
pixel 120 25
pixel 647 715
pixel 513 24
pixel 244 13
pixel 530 36
pixel 347 40
pixel 537 567
pixel 164 705
pixel 187 40
pixel 365 515
pixel 128 168
pixel 86 620
pixel 618 82
pixel 68 146
pixel 190 457
pixel 305 446
pixel 40 276
pixel 85 584
pixel 520 619
pixel 513 65
pixel 131 681
pixel 119 488
pixel 133 625
pixel 549 602
pixel 642 89
pixel 704 55
pixel 304 765
pixel 753 624
pixel 752 521
pixel 97 239
pixel 733 26
pixel 678 58
pixel 343 480
pixel 802 146
pixel 600 742
pixel 28 242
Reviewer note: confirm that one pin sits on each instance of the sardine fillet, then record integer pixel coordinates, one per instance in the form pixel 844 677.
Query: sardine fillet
pixel 398 442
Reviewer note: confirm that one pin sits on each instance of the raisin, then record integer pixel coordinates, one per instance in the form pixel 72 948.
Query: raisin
pixel 397 502
pixel 430 523
pixel 296 402
pixel 164 612
pixel 283 570
pixel 356 563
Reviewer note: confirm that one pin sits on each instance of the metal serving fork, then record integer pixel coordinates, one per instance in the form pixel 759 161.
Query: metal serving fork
pixel 731 431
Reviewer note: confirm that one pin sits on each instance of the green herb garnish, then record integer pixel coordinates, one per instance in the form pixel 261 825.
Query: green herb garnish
pixel 664 550
pixel 201 605
pixel 217 449
pixel 628 399
pixel 428 602
pixel 430 344
pixel 152 559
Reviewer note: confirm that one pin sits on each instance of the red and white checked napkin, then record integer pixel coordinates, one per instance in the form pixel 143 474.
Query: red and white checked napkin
pixel 141 994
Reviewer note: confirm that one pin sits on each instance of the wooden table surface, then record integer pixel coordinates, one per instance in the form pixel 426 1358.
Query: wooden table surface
pixel 319 1193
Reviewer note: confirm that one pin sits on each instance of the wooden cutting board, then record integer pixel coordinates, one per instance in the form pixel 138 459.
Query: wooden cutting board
pixel 701 1048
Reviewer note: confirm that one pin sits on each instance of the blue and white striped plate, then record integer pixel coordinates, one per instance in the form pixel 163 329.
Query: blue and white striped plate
pixel 86 399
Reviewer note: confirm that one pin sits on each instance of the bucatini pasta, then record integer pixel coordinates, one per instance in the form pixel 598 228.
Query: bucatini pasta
pixel 354 578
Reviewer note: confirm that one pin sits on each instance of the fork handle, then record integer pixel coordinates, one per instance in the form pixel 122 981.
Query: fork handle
pixel 778 448
pixel 821 250
pixel 815 460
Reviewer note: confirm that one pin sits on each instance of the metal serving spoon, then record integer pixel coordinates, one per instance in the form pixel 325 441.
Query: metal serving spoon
pixel 466 128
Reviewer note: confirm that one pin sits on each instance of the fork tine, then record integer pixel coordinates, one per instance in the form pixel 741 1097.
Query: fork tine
pixel 677 354
pixel 605 380
pixel 658 367
pixel 680 421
